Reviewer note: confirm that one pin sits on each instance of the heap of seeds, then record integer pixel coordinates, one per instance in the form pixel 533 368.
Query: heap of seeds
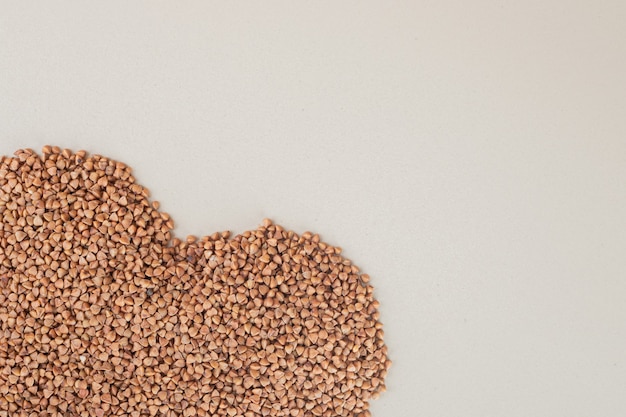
pixel 104 313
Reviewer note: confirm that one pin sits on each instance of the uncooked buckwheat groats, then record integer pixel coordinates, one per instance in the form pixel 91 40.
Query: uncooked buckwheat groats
pixel 104 313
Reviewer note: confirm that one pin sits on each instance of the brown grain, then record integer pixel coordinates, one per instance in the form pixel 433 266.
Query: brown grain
pixel 103 312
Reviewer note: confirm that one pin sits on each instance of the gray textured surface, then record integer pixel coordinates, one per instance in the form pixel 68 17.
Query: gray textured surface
pixel 470 156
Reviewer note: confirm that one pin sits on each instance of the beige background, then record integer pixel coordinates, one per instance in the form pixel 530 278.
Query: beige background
pixel 471 156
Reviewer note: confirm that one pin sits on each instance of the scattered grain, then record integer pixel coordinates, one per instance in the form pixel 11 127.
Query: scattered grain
pixel 103 312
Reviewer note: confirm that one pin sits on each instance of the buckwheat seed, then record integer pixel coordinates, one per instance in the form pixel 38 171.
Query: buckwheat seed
pixel 104 312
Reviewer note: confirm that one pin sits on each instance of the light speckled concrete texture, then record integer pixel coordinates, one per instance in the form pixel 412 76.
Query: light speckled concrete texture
pixel 469 156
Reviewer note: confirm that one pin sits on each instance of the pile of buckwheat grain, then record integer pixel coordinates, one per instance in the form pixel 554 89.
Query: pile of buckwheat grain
pixel 104 313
